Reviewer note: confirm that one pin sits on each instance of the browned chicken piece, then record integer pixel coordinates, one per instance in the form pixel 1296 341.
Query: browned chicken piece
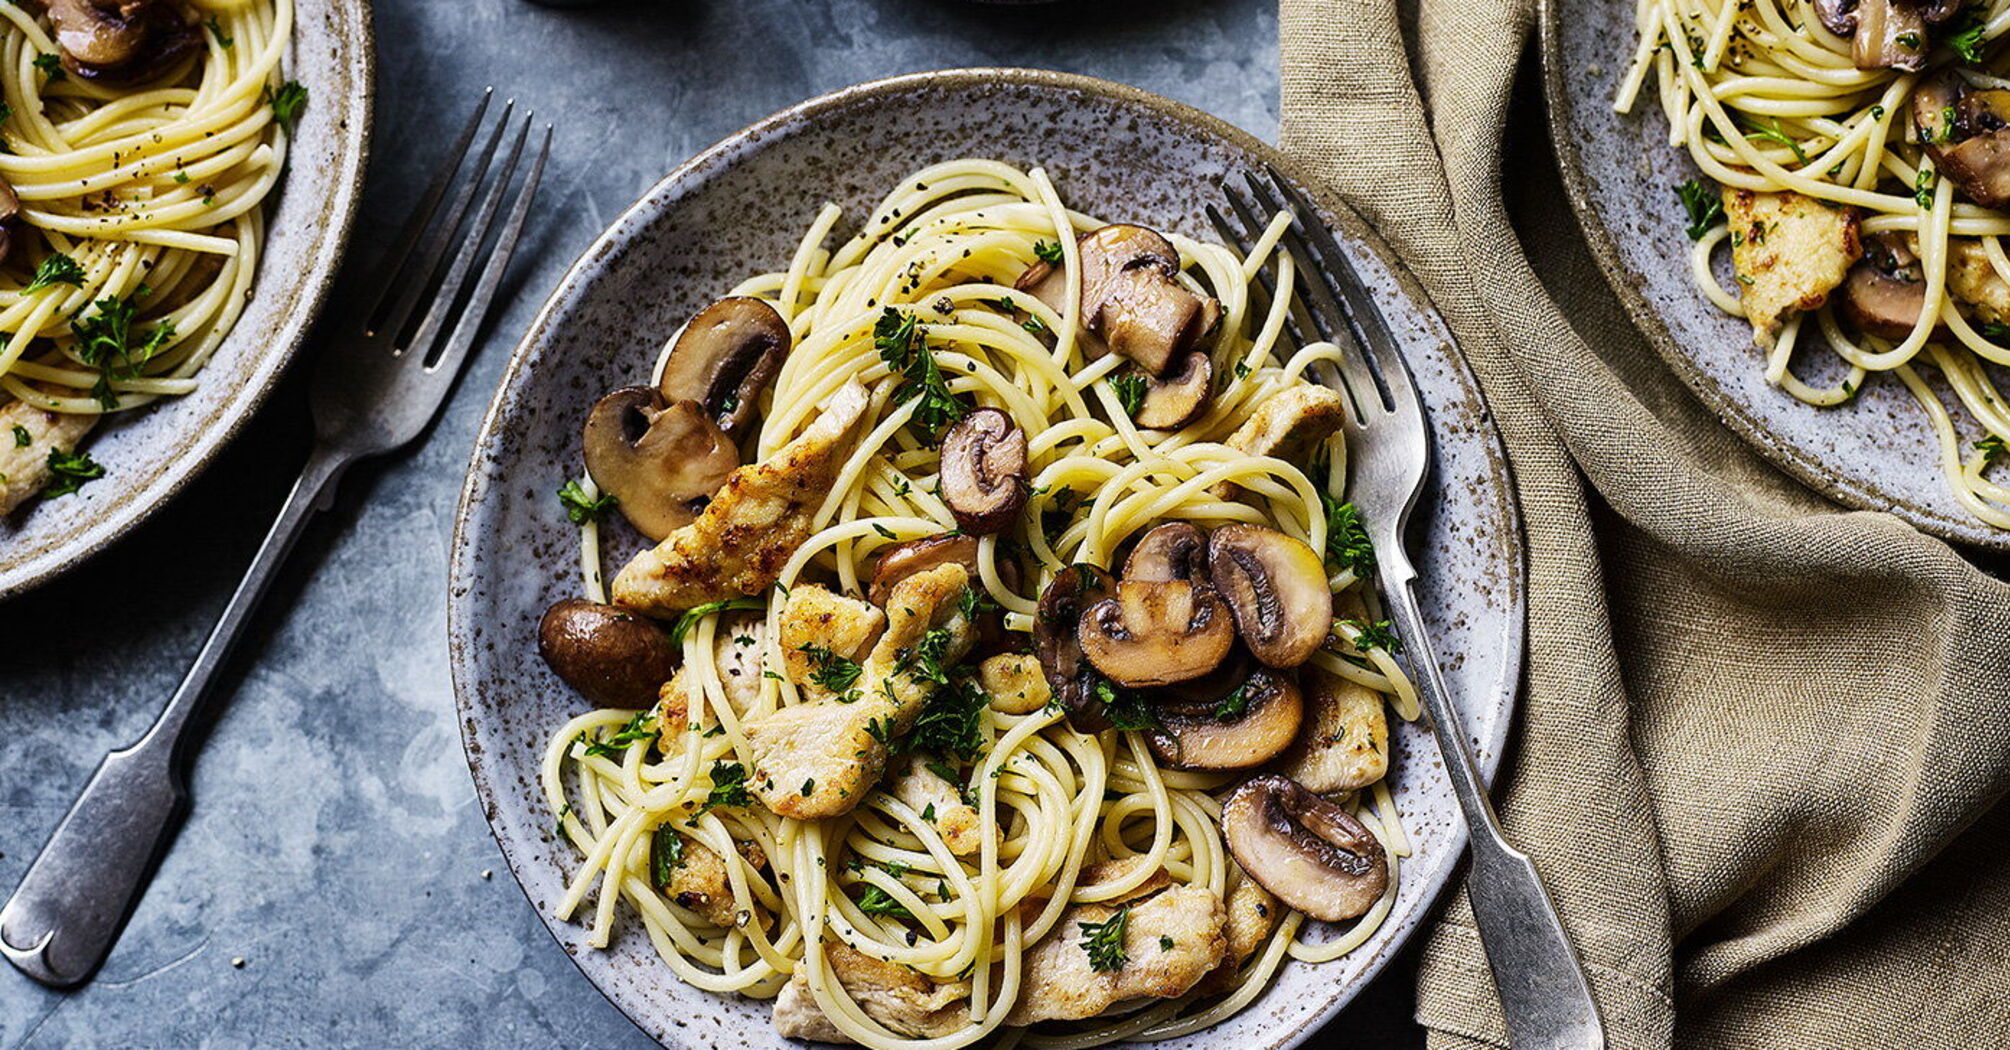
pixel 1972 280
pixel 1252 915
pixel 1288 426
pixel 1171 940
pixel 24 468
pixel 815 760
pixel 700 884
pixel 1790 252
pixel 1344 743
pixel 738 545
pixel 818 630
pixel 941 805
pixel 1015 683
pixel 899 997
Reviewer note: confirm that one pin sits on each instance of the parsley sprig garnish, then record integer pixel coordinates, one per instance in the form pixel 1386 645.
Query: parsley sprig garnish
pixel 107 342
pixel 877 901
pixel 1376 635
pixel 1049 252
pixel 830 670
pixel 1347 543
pixel 1992 448
pixel 1704 205
pixel 640 728
pixel 1104 942
pixel 287 102
pixel 903 344
pixel 579 509
pixel 1130 391
pixel 729 787
pixel 666 855
pixel 54 270
pixel 71 469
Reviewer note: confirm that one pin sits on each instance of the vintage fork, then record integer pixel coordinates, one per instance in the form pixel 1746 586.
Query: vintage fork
pixel 1544 995
pixel 372 392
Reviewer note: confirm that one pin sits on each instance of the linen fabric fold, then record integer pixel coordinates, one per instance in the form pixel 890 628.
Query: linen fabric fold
pixel 1762 738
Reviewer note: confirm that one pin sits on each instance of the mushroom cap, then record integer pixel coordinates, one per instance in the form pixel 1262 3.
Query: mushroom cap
pixel 1276 587
pixel 984 471
pixel 1974 150
pixel 1131 297
pixel 121 41
pixel 725 356
pixel 1250 717
pixel 1180 397
pixel 1885 290
pixel 1889 34
pixel 660 462
pixel 614 657
pixel 1314 855
pixel 1157 633
pixel 913 557
pixel 1176 550
pixel 1069 675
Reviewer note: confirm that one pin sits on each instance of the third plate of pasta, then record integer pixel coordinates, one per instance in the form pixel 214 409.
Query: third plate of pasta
pixel 952 629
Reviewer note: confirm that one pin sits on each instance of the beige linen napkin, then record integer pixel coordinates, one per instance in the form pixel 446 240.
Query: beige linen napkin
pixel 1762 737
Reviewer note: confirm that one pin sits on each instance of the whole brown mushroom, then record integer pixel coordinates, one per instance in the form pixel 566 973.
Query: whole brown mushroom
pixel 614 657
pixel 121 41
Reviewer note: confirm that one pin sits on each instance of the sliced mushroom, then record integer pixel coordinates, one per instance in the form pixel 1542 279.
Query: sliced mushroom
pixel 660 462
pixel 902 560
pixel 1180 398
pixel 614 657
pixel 1887 34
pixel 984 471
pixel 1176 550
pixel 1244 725
pixel 1157 633
pixel 1131 297
pixel 1070 677
pixel 1276 587
pixel 1974 149
pixel 1309 852
pixel 724 358
pixel 10 214
pixel 1886 289
pixel 121 41
pixel 1839 16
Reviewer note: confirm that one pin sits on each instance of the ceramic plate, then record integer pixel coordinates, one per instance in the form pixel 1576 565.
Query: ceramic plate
pixel 736 210
pixel 151 453
pixel 1876 453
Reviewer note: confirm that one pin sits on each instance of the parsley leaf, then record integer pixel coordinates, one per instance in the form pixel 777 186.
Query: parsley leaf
pixel 1130 390
pixel 666 855
pixel 1048 252
pixel 829 670
pixel 903 345
pixel 216 29
pixel 691 616
pixel 951 723
pixel 1770 132
pixel 876 901
pixel 72 470
pixel 1104 942
pixel 1347 543
pixel 640 728
pixel 1967 41
pixel 1125 708
pixel 51 66
pixel 729 787
pixel 580 510
pixel 21 437
pixel 54 270
pixel 1995 331
pixel 1234 705
pixel 105 341
pixel 1704 205
pixel 1922 187
pixel 1376 635
pixel 1992 449
pixel 287 102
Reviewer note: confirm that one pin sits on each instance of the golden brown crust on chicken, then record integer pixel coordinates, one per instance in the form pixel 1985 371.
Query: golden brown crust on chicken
pixel 1288 425
pixel 738 545
pixel 1972 280
pixel 24 468
pixel 901 998
pixel 1344 743
pixel 700 883
pixel 816 622
pixel 1172 941
pixel 1015 683
pixel 1790 251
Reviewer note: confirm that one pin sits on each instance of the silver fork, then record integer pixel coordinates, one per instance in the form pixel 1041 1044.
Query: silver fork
pixel 374 391
pixel 1544 995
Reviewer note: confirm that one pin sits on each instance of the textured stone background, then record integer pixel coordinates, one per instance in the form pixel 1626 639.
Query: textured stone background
pixel 335 845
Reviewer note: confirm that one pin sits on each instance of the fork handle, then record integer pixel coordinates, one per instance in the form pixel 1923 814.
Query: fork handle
pixel 1544 995
pixel 66 914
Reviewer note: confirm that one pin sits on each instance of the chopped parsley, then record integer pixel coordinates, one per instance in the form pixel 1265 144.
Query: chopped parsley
pixel 1049 252
pixel 107 342
pixel 581 510
pixel 952 723
pixel 809 787
pixel 1704 205
pixel 690 617
pixel 1992 449
pixel 1127 709
pixel 1922 187
pixel 54 270
pixel 903 345
pixel 1995 332
pixel 666 855
pixel 640 728
pixel 1165 943
pixel 22 439
pixel 216 29
pixel 1234 705
pixel 876 901
pixel 1104 942
pixel 71 469
pixel 729 787
pixel 1967 41
pixel 1130 391
pixel 1770 132
pixel 287 102
pixel 1347 543
pixel 829 670
pixel 1376 635
pixel 51 66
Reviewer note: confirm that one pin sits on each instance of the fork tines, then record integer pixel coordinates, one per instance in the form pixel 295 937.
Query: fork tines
pixel 419 268
pixel 1336 305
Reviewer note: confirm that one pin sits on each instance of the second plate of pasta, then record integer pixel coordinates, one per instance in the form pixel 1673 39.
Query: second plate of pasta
pixel 989 603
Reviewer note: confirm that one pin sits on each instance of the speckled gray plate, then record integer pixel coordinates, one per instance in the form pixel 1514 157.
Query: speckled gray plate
pixel 738 209
pixel 1879 451
pixel 151 453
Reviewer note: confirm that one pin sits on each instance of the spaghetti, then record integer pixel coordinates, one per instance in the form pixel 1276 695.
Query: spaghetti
pixel 1767 98
pixel 1051 801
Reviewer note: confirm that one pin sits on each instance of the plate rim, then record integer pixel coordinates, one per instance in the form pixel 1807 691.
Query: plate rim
pixel 1851 491
pixel 1437 880
pixel 352 140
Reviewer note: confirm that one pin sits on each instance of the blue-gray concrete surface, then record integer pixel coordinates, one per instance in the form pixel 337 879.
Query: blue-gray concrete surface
pixel 336 846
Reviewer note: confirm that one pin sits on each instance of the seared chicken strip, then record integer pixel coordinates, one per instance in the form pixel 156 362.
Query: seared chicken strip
pixel 1015 683
pixel 1974 281
pixel 699 881
pixel 1790 252
pixel 901 998
pixel 1344 743
pixel 738 545
pixel 941 805
pixel 818 759
pixel 1287 426
pixel 1252 914
pixel 24 468
pixel 823 635
pixel 1171 940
